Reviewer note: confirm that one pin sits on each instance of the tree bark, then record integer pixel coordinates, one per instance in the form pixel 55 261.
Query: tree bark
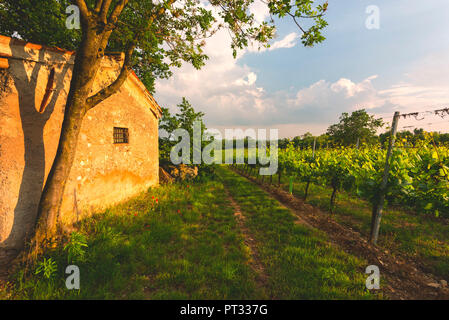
pixel 87 63
pixel 97 28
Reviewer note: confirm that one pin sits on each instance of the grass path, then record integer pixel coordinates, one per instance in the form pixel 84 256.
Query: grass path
pixel 299 261
pixel 420 237
pixel 178 241
pixel 406 279
pixel 261 278
pixel 221 239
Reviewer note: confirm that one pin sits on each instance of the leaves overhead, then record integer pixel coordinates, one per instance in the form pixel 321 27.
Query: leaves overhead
pixel 165 33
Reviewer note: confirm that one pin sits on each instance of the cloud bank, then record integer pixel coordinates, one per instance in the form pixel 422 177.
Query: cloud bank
pixel 230 96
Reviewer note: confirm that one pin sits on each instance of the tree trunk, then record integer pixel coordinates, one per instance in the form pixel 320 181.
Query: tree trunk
pixel 87 63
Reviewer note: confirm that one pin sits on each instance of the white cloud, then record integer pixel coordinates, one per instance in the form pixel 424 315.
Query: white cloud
pixel 230 96
pixel 248 80
pixel 260 11
pixel 289 41
pixel 425 86
pixel 350 88
pixel 323 101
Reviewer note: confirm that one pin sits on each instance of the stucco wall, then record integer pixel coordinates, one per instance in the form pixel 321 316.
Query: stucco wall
pixel 103 173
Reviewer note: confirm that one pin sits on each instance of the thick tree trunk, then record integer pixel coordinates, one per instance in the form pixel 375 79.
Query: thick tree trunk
pixel 96 30
pixel 87 62
pixel 51 198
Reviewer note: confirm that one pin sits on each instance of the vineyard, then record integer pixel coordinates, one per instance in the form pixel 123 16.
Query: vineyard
pixel 345 183
pixel 233 235
pixel 418 177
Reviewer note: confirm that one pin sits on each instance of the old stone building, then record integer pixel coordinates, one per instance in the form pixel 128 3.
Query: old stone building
pixel 117 152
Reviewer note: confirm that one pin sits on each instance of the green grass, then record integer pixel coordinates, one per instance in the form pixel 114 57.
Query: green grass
pixel 158 254
pixel 299 261
pixel 147 249
pixel 402 231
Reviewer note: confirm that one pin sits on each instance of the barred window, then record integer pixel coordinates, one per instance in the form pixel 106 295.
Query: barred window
pixel 121 135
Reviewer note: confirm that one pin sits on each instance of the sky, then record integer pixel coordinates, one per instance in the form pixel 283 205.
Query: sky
pixel 401 66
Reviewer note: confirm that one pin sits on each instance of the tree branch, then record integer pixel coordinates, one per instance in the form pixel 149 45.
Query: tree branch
pixel 104 10
pixel 126 68
pixel 83 8
pixel 115 86
pixel 296 22
pixel 157 14
pixel 117 11
pixel 98 5
pixel 111 22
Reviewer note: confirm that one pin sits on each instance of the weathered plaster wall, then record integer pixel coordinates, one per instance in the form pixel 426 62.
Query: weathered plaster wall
pixel 103 173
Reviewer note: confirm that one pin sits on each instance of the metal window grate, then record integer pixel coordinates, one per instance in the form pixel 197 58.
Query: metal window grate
pixel 121 135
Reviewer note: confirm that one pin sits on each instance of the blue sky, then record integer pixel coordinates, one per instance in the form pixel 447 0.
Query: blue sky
pixel 404 66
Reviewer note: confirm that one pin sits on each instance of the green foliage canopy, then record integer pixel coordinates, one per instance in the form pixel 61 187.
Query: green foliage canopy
pixel 164 33
pixel 359 125
pixel 184 119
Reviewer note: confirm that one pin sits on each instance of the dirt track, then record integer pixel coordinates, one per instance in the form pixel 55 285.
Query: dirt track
pixel 405 279
pixel 254 260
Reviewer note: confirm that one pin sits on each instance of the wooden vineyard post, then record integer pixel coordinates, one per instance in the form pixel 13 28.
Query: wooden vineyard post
pixel 314 146
pixel 306 191
pixel 290 187
pixel 377 210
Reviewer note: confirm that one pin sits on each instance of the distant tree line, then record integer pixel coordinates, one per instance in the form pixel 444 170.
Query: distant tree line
pixel 417 135
pixel 359 128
